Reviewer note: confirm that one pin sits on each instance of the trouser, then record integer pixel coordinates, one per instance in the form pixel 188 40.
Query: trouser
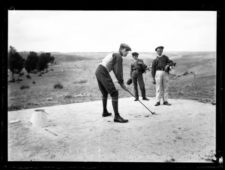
pixel 106 87
pixel 105 83
pixel 162 81
pixel 137 78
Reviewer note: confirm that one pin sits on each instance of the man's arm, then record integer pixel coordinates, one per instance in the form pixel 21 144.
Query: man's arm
pixel 168 60
pixel 143 66
pixel 118 69
pixel 131 69
pixel 153 69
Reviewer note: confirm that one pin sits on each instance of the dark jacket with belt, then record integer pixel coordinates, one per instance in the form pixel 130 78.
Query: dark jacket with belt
pixel 137 66
pixel 159 64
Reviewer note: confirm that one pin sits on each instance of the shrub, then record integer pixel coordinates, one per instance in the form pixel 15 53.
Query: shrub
pixel 15 107
pixel 58 86
pixel 68 97
pixel 28 76
pixel 21 74
pixel 24 87
pixel 18 80
pixel 34 71
pixel 12 81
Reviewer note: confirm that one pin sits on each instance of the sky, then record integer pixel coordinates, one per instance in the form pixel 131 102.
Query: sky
pixel 103 31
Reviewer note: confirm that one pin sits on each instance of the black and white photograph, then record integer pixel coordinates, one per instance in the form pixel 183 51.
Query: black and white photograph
pixel 112 86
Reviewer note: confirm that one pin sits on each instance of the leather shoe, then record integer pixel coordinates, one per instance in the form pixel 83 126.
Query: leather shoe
pixel 166 103
pixel 145 98
pixel 119 119
pixel 105 114
pixel 157 104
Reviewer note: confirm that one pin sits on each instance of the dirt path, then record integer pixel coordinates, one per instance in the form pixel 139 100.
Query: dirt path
pixel 182 132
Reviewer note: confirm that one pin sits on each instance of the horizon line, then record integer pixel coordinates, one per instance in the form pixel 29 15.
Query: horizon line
pixel 111 51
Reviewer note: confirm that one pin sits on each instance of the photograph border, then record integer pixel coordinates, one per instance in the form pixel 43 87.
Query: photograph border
pixel 185 6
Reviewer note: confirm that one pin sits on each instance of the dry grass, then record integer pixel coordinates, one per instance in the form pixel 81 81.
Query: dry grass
pixel 79 82
pixel 24 87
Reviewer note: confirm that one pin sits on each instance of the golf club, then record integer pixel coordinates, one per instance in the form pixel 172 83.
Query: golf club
pixel 142 103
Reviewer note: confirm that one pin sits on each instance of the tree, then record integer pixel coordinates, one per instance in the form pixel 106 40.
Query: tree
pixel 42 63
pixel 51 59
pixel 44 60
pixel 15 62
pixel 31 62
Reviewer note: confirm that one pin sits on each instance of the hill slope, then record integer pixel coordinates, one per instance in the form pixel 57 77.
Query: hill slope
pixel 77 76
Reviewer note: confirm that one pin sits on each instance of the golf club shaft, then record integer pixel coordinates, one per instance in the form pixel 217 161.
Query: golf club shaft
pixel 140 102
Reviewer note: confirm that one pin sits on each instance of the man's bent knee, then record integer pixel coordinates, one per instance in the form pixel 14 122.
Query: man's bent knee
pixel 115 95
pixel 104 96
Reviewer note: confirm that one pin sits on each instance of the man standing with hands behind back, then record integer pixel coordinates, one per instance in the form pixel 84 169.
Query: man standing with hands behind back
pixel 160 76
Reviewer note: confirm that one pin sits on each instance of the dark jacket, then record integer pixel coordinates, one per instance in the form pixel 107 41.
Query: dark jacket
pixel 159 64
pixel 138 66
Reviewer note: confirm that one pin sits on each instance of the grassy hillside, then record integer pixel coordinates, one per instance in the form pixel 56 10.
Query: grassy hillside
pixel 75 72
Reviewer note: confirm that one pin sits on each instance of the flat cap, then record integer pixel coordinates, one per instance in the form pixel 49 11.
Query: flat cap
pixel 123 45
pixel 159 47
pixel 135 54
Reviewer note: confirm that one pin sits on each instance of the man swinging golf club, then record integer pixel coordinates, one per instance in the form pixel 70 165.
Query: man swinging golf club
pixel 113 61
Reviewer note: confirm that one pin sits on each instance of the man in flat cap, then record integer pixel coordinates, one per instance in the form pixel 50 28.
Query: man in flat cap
pixel 160 76
pixel 136 73
pixel 112 62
